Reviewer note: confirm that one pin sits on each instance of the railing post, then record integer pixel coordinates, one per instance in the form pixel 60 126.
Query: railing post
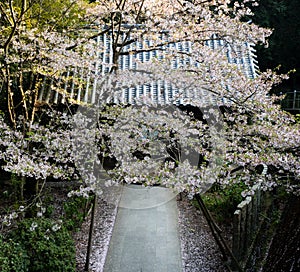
pixel 294 100
pixel 90 238
pixel 255 207
pixel 236 239
pixel 242 207
pixel 248 223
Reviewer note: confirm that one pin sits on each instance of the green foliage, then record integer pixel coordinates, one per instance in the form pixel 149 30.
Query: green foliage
pixel 48 244
pixel 17 184
pixel 13 256
pixel 75 211
pixel 49 211
pixel 56 14
pixel 59 14
pixel 222 202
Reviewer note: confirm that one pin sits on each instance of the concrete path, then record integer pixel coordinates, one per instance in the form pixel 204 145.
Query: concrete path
pixel 145 236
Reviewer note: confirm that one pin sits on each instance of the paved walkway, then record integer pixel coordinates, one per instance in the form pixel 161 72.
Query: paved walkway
pixel 145 236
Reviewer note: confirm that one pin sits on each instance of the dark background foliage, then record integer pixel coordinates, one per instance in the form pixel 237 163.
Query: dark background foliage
pixel 284 44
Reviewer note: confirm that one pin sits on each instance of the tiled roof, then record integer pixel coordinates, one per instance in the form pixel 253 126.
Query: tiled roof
pixel 159 91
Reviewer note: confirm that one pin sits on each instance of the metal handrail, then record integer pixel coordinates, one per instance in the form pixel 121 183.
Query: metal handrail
pixel 291 100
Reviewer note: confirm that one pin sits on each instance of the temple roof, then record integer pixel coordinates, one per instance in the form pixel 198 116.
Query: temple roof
pixel 159 91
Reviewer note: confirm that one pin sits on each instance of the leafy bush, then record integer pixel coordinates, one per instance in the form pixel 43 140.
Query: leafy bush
pixel 13 257
pixel 48 244
pixel 75 209
pixel 222 202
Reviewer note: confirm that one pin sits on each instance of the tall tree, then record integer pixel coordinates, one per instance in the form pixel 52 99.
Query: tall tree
pixel 34 35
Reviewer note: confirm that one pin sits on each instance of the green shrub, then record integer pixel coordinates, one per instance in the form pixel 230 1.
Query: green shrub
pixel 48 244
pixel 222 202
pixel 13 257
pixel 75 209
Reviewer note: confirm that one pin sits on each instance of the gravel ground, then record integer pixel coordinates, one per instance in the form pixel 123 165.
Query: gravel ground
pixel 199 250
pixel 103 225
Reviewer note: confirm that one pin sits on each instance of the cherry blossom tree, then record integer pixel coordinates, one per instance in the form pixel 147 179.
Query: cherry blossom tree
pixel 35 36
pixel 251 123
pixel 240 127
pixel 249 131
